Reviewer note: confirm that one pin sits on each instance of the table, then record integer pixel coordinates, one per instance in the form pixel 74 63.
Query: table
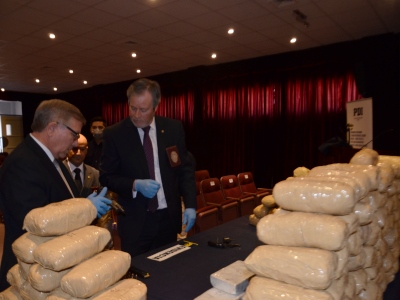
pixel 187 275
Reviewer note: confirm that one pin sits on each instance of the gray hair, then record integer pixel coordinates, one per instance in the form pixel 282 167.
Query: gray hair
pixel 55 110
pixel 141 85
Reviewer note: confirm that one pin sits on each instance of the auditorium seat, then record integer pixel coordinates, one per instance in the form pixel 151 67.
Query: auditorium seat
pixel 207 216
pixel 201 174
pixel 231 190
pixel 212 194
pixel 248 187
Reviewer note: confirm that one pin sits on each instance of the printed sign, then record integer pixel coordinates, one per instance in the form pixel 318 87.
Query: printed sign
pixel 167 253
pixel 359 123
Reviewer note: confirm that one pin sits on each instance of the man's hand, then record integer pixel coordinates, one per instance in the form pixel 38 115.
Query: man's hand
pixel 189 217
pixel 148 187
pixel 101 203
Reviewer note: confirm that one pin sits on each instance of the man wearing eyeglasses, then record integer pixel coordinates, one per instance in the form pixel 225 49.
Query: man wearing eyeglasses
pixel 84 175
pixel 33 175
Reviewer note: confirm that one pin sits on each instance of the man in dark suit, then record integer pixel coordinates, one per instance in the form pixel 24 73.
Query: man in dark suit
pixel 33 175
pixel 125 169
pixel 89 176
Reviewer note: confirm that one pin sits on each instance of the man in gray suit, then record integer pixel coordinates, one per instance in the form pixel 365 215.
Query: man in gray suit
pixel 86 177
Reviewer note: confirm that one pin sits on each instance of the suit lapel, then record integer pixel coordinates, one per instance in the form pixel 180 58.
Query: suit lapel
pixel 49 165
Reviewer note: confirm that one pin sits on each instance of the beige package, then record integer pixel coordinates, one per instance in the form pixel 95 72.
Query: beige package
pixel 14 277
pixel 24 246
pixel 300 229
pixel 127 289
pixel 96 274
pixel 27 292
pixel 261 288
pixel 306 267
pixel 70 249
pixel 60 217
pixel 45 280
pixel 329 197
pixel 10 294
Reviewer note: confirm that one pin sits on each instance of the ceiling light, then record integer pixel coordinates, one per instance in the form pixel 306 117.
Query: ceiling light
pixel 2 89
pixel 52 35
pixel 138 71
pixel 84 82
pixel 133 54
pixel 37 80
pixel 54 88
pixel 293 40
pixel 214 55
pixel 71 71
pixel 231 31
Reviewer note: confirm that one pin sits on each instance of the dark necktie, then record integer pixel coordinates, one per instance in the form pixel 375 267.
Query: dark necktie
pixel 148 150
pixel 78 180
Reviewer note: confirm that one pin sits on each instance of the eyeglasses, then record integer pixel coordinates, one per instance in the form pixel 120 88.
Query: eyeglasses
pixel 74 133
pixel 98 127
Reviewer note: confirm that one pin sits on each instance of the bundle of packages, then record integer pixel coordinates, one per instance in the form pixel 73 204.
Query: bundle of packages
pixel 62 252
pixel 350 211
pixel 267 206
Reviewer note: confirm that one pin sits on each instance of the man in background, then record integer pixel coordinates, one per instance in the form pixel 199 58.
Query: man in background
pixel 33 175
pixel 95 146
pixel 85 176
pixel 146 163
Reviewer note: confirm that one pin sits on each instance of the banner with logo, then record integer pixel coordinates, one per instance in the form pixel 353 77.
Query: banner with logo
pixel 359 123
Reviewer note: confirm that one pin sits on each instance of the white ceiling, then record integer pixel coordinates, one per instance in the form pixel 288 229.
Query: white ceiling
pixel 95 38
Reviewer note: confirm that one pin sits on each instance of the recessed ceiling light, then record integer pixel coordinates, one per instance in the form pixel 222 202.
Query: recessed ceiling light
pixel 293 40
pixel 54 88
pixel 37 80
pixel 214 55
pixel 84 82
pixel 2 89
pixel 133 54
pixel 52 35
pixel 71 71
pixel 138 71
pixel 231 31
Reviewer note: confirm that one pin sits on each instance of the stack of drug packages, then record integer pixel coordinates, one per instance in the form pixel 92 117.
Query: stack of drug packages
pixel 268 206
pixel 335 235
pixel 61 256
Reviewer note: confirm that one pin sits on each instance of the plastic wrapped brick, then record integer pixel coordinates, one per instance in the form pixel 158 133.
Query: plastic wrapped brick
pixel 24 246
pixel 96 273
pixel 359 180
pixel 351 221
pixel 70 249
pixel 127 289
pixel 10 294
pixel 306 267
pixel 300 229
pixel 371 171
pixel 24 269
pixel 365 157
pixel 27 292
pixel 336 289
pixel 45 280
pixel 329 197
pixel 261 288
pixel 232 279
pixel 14 277
pixel 60 217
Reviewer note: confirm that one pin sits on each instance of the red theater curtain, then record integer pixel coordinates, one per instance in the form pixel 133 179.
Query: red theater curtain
pixel 180 107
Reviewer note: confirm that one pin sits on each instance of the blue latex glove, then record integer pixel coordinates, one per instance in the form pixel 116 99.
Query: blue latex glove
pixel 101 203
pixel 148 187
pixel 189 217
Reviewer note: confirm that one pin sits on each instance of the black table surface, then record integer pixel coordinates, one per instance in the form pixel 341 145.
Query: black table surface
pixel 187 274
